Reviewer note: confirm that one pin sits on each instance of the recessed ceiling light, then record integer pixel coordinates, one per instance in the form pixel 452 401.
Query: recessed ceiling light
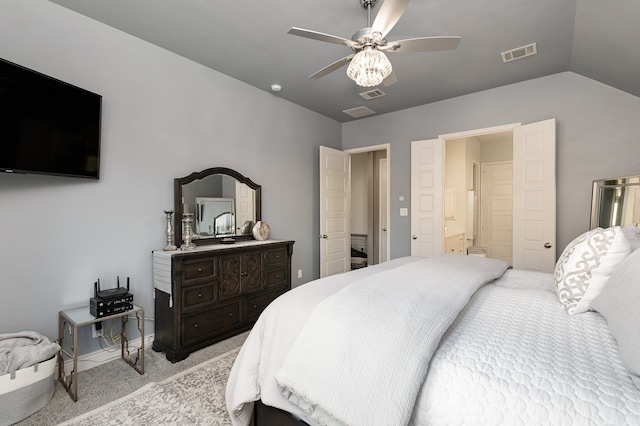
pixel 276 87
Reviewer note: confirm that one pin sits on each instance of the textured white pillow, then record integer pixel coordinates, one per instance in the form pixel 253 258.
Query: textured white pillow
pixel 619 303
pixel 632 233
pixel 585 266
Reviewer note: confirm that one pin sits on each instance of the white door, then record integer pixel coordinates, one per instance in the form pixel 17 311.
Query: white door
pixel 427 219
pixel 497 210
pixel 534 212
pixel 383 214
pixel 335 200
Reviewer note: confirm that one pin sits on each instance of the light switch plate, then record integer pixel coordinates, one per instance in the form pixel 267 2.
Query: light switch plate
pixel 404 211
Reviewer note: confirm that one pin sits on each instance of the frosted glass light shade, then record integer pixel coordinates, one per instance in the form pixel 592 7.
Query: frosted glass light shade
pixel 369 67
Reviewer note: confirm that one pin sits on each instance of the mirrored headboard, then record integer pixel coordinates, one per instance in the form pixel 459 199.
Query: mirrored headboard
pixel 224 204
pixel 615 201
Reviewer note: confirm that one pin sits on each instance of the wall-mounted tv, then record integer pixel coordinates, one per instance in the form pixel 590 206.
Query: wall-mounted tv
pixel 47 126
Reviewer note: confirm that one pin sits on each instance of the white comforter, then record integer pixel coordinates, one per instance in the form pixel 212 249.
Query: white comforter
pixel 373 340
pixel 512 356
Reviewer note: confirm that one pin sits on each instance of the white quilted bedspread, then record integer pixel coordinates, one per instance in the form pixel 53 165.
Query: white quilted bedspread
pixel 515 357
pixel 512 357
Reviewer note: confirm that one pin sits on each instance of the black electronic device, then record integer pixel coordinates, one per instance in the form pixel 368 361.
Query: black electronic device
pixel 112 292
pixel 47 126
pixel 105 312
pixel 110 301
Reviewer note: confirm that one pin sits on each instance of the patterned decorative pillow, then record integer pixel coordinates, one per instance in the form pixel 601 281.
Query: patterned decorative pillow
pixel 585 266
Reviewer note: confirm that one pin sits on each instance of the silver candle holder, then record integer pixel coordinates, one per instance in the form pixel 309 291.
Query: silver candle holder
pixel 170 232
pixel 187 232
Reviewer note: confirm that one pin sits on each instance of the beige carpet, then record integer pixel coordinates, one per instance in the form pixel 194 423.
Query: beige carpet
pixel 111 381
pixel 193 397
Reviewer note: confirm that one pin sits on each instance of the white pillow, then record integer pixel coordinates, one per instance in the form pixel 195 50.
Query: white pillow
pixel 585 266
pixel 618 303
pixel 632 233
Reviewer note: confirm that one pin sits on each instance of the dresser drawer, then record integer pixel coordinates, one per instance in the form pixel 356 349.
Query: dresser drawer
pixel 210 322
pixel 194 297
pixel 254 305
pixel 199 269
pixel 276 277
pixel 275 257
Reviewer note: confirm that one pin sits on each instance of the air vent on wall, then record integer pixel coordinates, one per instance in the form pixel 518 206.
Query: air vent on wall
pixel 372 94
pixel 520 52
pixel 358 112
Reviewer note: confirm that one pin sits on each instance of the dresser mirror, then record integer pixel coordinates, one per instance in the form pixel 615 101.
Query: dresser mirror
pixel 223 203
pixel 615 202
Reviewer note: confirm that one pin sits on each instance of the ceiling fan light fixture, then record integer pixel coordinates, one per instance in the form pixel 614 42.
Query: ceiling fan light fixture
pixel 369 67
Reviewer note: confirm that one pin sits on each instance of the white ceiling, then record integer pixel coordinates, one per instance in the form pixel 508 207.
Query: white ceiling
pixel 248 40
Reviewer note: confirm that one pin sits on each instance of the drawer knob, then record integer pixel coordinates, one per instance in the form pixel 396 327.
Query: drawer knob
pixel 277 256
pixel 255 307
pixel 243 274
pixel 277 276
pixel 230 314
pixel 199 294
pixel 199 269
pixel 195 325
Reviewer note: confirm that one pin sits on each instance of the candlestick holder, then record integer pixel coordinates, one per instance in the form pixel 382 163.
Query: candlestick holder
pixel 170 232
pixel 187 232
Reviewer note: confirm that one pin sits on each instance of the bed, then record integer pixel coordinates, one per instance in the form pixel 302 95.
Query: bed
pixel 499 346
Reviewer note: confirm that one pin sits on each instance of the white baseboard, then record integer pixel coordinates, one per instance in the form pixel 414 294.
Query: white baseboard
pixel 94 359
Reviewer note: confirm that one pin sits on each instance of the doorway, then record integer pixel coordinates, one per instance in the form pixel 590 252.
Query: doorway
pixel 354 208
pixel 478 175
pixel 533 242
pixel 368 208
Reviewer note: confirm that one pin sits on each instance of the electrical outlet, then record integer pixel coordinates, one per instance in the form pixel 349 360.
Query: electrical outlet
pixel 299 273
pixel 96 330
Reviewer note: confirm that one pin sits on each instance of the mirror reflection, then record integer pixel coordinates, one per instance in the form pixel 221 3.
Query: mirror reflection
pixel 615 202
pixel 223 202
pixel 214 216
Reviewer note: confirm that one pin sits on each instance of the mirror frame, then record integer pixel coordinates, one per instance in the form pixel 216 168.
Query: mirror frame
pixel 177 192
pixel 596 195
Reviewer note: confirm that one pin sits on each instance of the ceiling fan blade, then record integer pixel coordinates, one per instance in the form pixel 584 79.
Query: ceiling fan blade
pixel 315 35
pixel 391 79
pixel 388 16
pixel 331 68
pixel 423 44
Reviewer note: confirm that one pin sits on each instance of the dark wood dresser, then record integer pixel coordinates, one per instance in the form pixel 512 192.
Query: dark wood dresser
pixel 214 292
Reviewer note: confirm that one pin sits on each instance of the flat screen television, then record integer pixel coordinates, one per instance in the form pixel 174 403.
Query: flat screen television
pixel 47 126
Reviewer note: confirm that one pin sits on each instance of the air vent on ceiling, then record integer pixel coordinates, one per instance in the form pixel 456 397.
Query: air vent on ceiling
pixel 520 52
pixel 358 112
pixel 372 94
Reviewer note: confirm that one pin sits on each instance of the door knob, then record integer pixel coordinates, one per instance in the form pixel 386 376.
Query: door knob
pixel 323 236
pixel 547 245
pixel 413 237
pixel 384 229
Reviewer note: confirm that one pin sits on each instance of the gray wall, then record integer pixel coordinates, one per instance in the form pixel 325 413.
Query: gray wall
pixel 163 117
pixel 597 137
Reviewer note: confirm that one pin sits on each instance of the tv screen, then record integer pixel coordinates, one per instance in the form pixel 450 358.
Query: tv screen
pixel 47 126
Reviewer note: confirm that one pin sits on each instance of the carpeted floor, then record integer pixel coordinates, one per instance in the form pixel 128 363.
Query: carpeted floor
pixel 108 382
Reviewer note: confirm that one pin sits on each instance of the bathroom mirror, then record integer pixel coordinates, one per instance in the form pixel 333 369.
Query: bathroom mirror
pixel 224 203
pixel 615 201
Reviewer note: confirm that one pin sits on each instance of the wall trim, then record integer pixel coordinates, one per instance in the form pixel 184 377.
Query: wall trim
pixel 102 356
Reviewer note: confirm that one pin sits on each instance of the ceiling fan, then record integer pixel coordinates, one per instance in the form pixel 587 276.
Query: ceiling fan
pixel 368 65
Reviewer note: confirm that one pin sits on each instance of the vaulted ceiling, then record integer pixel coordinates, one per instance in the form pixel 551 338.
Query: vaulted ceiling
pixel 248 40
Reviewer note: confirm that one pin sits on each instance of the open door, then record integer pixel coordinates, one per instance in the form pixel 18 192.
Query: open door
pixel 534 201
pixel 335 212
pixel 427 217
